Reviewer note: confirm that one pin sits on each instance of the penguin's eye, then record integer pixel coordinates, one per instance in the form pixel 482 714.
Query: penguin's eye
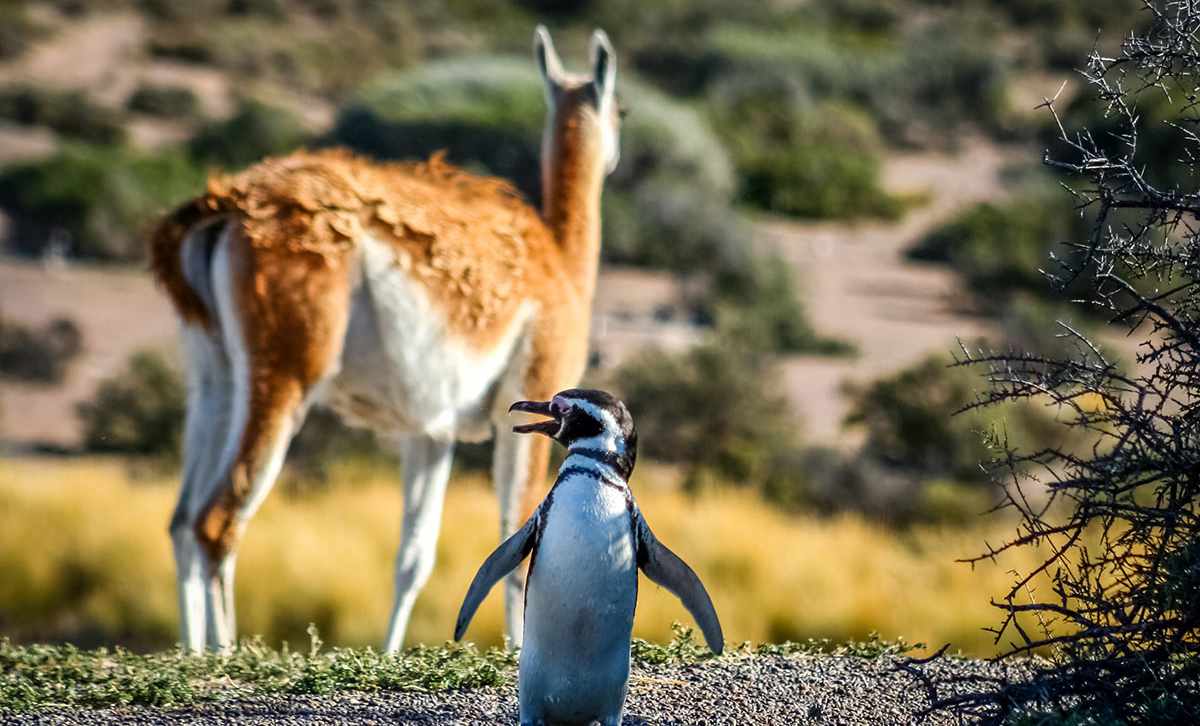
pixel 560 408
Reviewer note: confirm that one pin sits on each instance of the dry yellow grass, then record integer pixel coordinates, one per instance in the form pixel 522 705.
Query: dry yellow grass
pixel 84 552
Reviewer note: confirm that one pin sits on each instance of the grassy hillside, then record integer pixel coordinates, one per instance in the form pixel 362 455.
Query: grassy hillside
pixel 84 556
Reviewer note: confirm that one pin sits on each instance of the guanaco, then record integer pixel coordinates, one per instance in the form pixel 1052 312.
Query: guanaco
pixel 414 299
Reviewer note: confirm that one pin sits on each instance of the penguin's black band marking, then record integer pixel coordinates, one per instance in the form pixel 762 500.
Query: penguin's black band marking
pixel 619 463
pixel 581 471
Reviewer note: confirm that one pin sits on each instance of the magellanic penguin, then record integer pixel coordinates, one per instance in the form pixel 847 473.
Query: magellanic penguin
pixel 585 542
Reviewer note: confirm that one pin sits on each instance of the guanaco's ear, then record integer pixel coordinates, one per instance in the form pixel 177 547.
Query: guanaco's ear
pixel 604 66
pixel 547 61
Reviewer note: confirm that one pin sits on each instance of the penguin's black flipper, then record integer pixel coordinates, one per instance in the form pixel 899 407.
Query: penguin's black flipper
pixel 665 568
pixel 504 560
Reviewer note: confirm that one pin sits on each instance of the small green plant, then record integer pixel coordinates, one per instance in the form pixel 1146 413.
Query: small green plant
pixel 999 247
pixel 799 159
pixel 33 677
pixel 254 131
pixel 17 30
pixel 166 101
pixel 99 198
pixel 138 411
pixel 68 113
pixel 39 356
pixel 683 648
pixel 712 409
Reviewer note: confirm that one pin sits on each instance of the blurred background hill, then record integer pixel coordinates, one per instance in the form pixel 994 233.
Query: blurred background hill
pixel 815 201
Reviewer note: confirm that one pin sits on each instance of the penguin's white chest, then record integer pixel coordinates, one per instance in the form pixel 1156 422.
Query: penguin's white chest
pixel 579 604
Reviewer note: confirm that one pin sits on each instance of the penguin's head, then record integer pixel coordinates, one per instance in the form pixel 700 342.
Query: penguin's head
pixel 584 418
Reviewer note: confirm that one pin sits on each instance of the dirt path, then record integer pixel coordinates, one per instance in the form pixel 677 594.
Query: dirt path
pixel 858 286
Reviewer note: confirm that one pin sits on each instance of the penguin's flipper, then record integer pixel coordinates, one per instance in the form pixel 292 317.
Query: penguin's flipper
pixel 504 560
pixel 665 568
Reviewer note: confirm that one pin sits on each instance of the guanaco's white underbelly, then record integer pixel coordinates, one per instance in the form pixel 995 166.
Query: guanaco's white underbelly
pixel 402 369
pixel 579 605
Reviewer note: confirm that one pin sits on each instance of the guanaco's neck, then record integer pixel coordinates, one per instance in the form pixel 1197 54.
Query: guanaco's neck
pixel 572 179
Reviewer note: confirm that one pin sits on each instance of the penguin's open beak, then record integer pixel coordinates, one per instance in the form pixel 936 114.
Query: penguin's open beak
pixel 542 408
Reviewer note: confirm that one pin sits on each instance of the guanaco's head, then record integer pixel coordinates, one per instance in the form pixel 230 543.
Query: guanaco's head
pixel 582 115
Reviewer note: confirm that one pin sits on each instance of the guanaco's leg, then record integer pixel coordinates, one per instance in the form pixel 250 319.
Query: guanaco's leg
pixel 282 320
pixel 518 466
pixel 426 463
pixel 210 392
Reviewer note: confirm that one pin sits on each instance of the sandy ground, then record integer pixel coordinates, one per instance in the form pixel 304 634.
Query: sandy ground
pixel 858 286
pixel 105 55
pixel 118 312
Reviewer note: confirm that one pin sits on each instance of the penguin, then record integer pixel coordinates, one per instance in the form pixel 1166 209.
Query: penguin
pixel 585 544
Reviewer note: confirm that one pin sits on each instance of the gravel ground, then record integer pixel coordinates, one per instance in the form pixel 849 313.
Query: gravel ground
pixel 750 690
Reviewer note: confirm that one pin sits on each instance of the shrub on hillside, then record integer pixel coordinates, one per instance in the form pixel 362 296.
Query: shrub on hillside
pixel 138 411
pixel 39 356
pixel 323 441
pixel 916 87
pixel 165 101
pixel 101 197
pixel 909 422
pixel 326 51
pixel 756 304
pixel 17 30
pixel 68 113
pixel 999 247
pixel 913 424
pixel 714 411
pixel 797 158
pixel 1159 140
pixel 256 130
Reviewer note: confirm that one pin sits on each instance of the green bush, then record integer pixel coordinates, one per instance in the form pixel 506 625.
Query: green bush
pixel 17 30
pixel 256 130
pixel 799 159
pixel 138 411
pixel 916 86
pixel 39 356
pixel 713 410
pixel 166 101
pixel 909 422
pixel 68 113
pixel 327 54
pixel 912 423
pixel 102 197
pixel 322 441
pixel 999 248
pixel 757 305
pixel 1159 131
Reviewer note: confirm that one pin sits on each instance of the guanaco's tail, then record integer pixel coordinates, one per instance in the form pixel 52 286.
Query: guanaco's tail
pixel 181 249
